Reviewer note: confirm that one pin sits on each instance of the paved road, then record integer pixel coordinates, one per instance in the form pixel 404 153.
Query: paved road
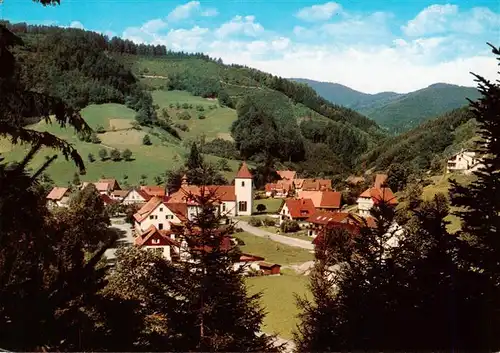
pixel 127 238
pixel 299 243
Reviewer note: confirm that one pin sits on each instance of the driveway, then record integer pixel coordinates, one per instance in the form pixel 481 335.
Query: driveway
pixel 125 237
pixel 298 243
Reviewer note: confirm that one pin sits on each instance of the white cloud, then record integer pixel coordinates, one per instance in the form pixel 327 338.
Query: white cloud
pixel 182 12
pixel 373 25
pixel 154 26
pixel 210 12
pixel 437 19
pixel 183 39
pixel 76 24
pixel 240 25
pixel 321 12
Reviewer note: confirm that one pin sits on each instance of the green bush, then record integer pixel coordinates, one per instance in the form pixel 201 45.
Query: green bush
pixel 184 115
pixel 289 227
pixel 146 140
pixel 269 222
pixel 182 127
pixel 261 208
pixel 255 222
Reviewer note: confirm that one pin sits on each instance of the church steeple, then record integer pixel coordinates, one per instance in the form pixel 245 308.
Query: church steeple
pixel 244 172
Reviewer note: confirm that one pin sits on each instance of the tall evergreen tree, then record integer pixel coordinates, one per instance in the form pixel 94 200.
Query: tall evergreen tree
pixel 479 202
pixel 194 160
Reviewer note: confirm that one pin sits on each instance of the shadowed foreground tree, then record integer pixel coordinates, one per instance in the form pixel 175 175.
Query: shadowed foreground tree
pixel 429 291
pixel 199 305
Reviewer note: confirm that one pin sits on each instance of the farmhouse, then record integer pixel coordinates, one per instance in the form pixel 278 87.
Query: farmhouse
pixel 323 200
pixel 312 184
pixel 296 210
pixel 282 188
pixel 464 161
pixel 374 196
pixel 153 190
pixel 287 174
pixel 135 196
pixel 58 197
pixel 233 200
pixel 321 221
pixel 161 241
pixel 159 214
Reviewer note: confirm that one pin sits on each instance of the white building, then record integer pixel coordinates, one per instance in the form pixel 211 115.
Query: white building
pixel 58 197
pixel 161 241
pixel 464 161
pixel 373 196
pixel 160 215
pixel 134 196
pixel 233 200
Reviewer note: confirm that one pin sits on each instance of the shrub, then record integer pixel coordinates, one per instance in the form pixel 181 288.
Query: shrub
pixel 185 106
pixel 289 227
pixel 184 115
pixel 255 222
pixel 115 155
pixel 94 138
pixel 146 140
pixel 136 125
pixel 269 222
pixel 171 105
pixel 127 154
pixel 100 129
pixel 103 154
pixel 182 127
pixel 91 158
pixel 200 108
pixel 201 116
pixel 261 208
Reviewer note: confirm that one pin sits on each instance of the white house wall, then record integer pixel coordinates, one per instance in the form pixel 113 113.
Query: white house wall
pixel 160 215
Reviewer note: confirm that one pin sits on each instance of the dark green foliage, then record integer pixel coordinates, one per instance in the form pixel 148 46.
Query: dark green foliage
pixel 222 148
pixel 202 116
pixel 479 202
pixel 182 127
pixel 255 222
pixel 94 138
pixel 224 99
pixel 100 129
pixel 146 140
pixel 76 179
pixel 127 154
pixel 269 222
pixel 289 227
pixel 261 208
pixel 223 165
pixel 434 140
pixel 194 160
pixel 184 115
pixel 103 154
pixel 398 176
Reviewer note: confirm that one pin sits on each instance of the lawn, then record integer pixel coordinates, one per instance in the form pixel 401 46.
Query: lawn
pixel 273 251
pixel 217 122
pixel 164 154
pixel 272 205
pixel 278 300
pixel 441 184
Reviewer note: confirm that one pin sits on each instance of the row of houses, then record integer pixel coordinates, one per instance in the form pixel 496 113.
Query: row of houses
pixel 290 185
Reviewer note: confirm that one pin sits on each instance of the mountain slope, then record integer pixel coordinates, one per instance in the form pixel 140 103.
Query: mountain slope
pixel 393 111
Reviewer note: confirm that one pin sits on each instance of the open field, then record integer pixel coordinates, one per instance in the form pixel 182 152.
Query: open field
pixel 278 300
pixel 441 184
pixel 272 205
pixel 273 251
pixel 217 122
pixel 164 154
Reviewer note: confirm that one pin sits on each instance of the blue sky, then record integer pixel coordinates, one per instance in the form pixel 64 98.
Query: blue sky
pixel 372 46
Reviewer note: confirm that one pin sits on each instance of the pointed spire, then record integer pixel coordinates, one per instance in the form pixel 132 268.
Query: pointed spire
pixel 184 181
pixel 244 173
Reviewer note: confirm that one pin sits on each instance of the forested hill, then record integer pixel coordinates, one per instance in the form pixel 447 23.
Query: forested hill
pixel 428 146
pixel 277 119
pixel 397 112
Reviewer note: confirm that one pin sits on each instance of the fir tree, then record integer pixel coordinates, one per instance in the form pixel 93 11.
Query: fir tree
pixel 195 160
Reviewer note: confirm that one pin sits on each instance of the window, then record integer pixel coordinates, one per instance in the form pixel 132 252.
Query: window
pixel 242 206
pixel 151 217
pixel 156 217
pixel 169 216
pixel 243 183
pixel 155 241
pixel 161 209
pixel 160 226
pixel 223 207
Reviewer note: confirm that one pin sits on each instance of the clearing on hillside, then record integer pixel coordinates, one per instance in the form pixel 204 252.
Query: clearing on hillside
pixel 102 114
pixel 124 137
pixel 119 124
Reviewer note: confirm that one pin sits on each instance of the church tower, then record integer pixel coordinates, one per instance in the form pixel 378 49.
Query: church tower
pixel 243 189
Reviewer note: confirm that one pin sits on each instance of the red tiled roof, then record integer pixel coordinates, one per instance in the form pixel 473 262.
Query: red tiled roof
pixel 179 209
pixel 145 210
pixel 113 183
pixel 154 190
pixel 221 193
pixel 244 173
pixel 281 185
pixel 317 184
pixel 107 200
pixel 380 180
pixel 268 264
pixel 324 217
pixel 380 194
pixel 120 193
pixel 287 174
pixel 355 179
pixel 323 199
pixel 250 258
pixel 302 208
pixel 152 230
pixel 57 193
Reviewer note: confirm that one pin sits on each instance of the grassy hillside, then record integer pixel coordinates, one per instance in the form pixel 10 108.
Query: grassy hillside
pixel 164 154
pixel 397 112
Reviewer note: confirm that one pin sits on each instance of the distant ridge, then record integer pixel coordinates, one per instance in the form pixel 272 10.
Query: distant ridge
pixel 397 112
